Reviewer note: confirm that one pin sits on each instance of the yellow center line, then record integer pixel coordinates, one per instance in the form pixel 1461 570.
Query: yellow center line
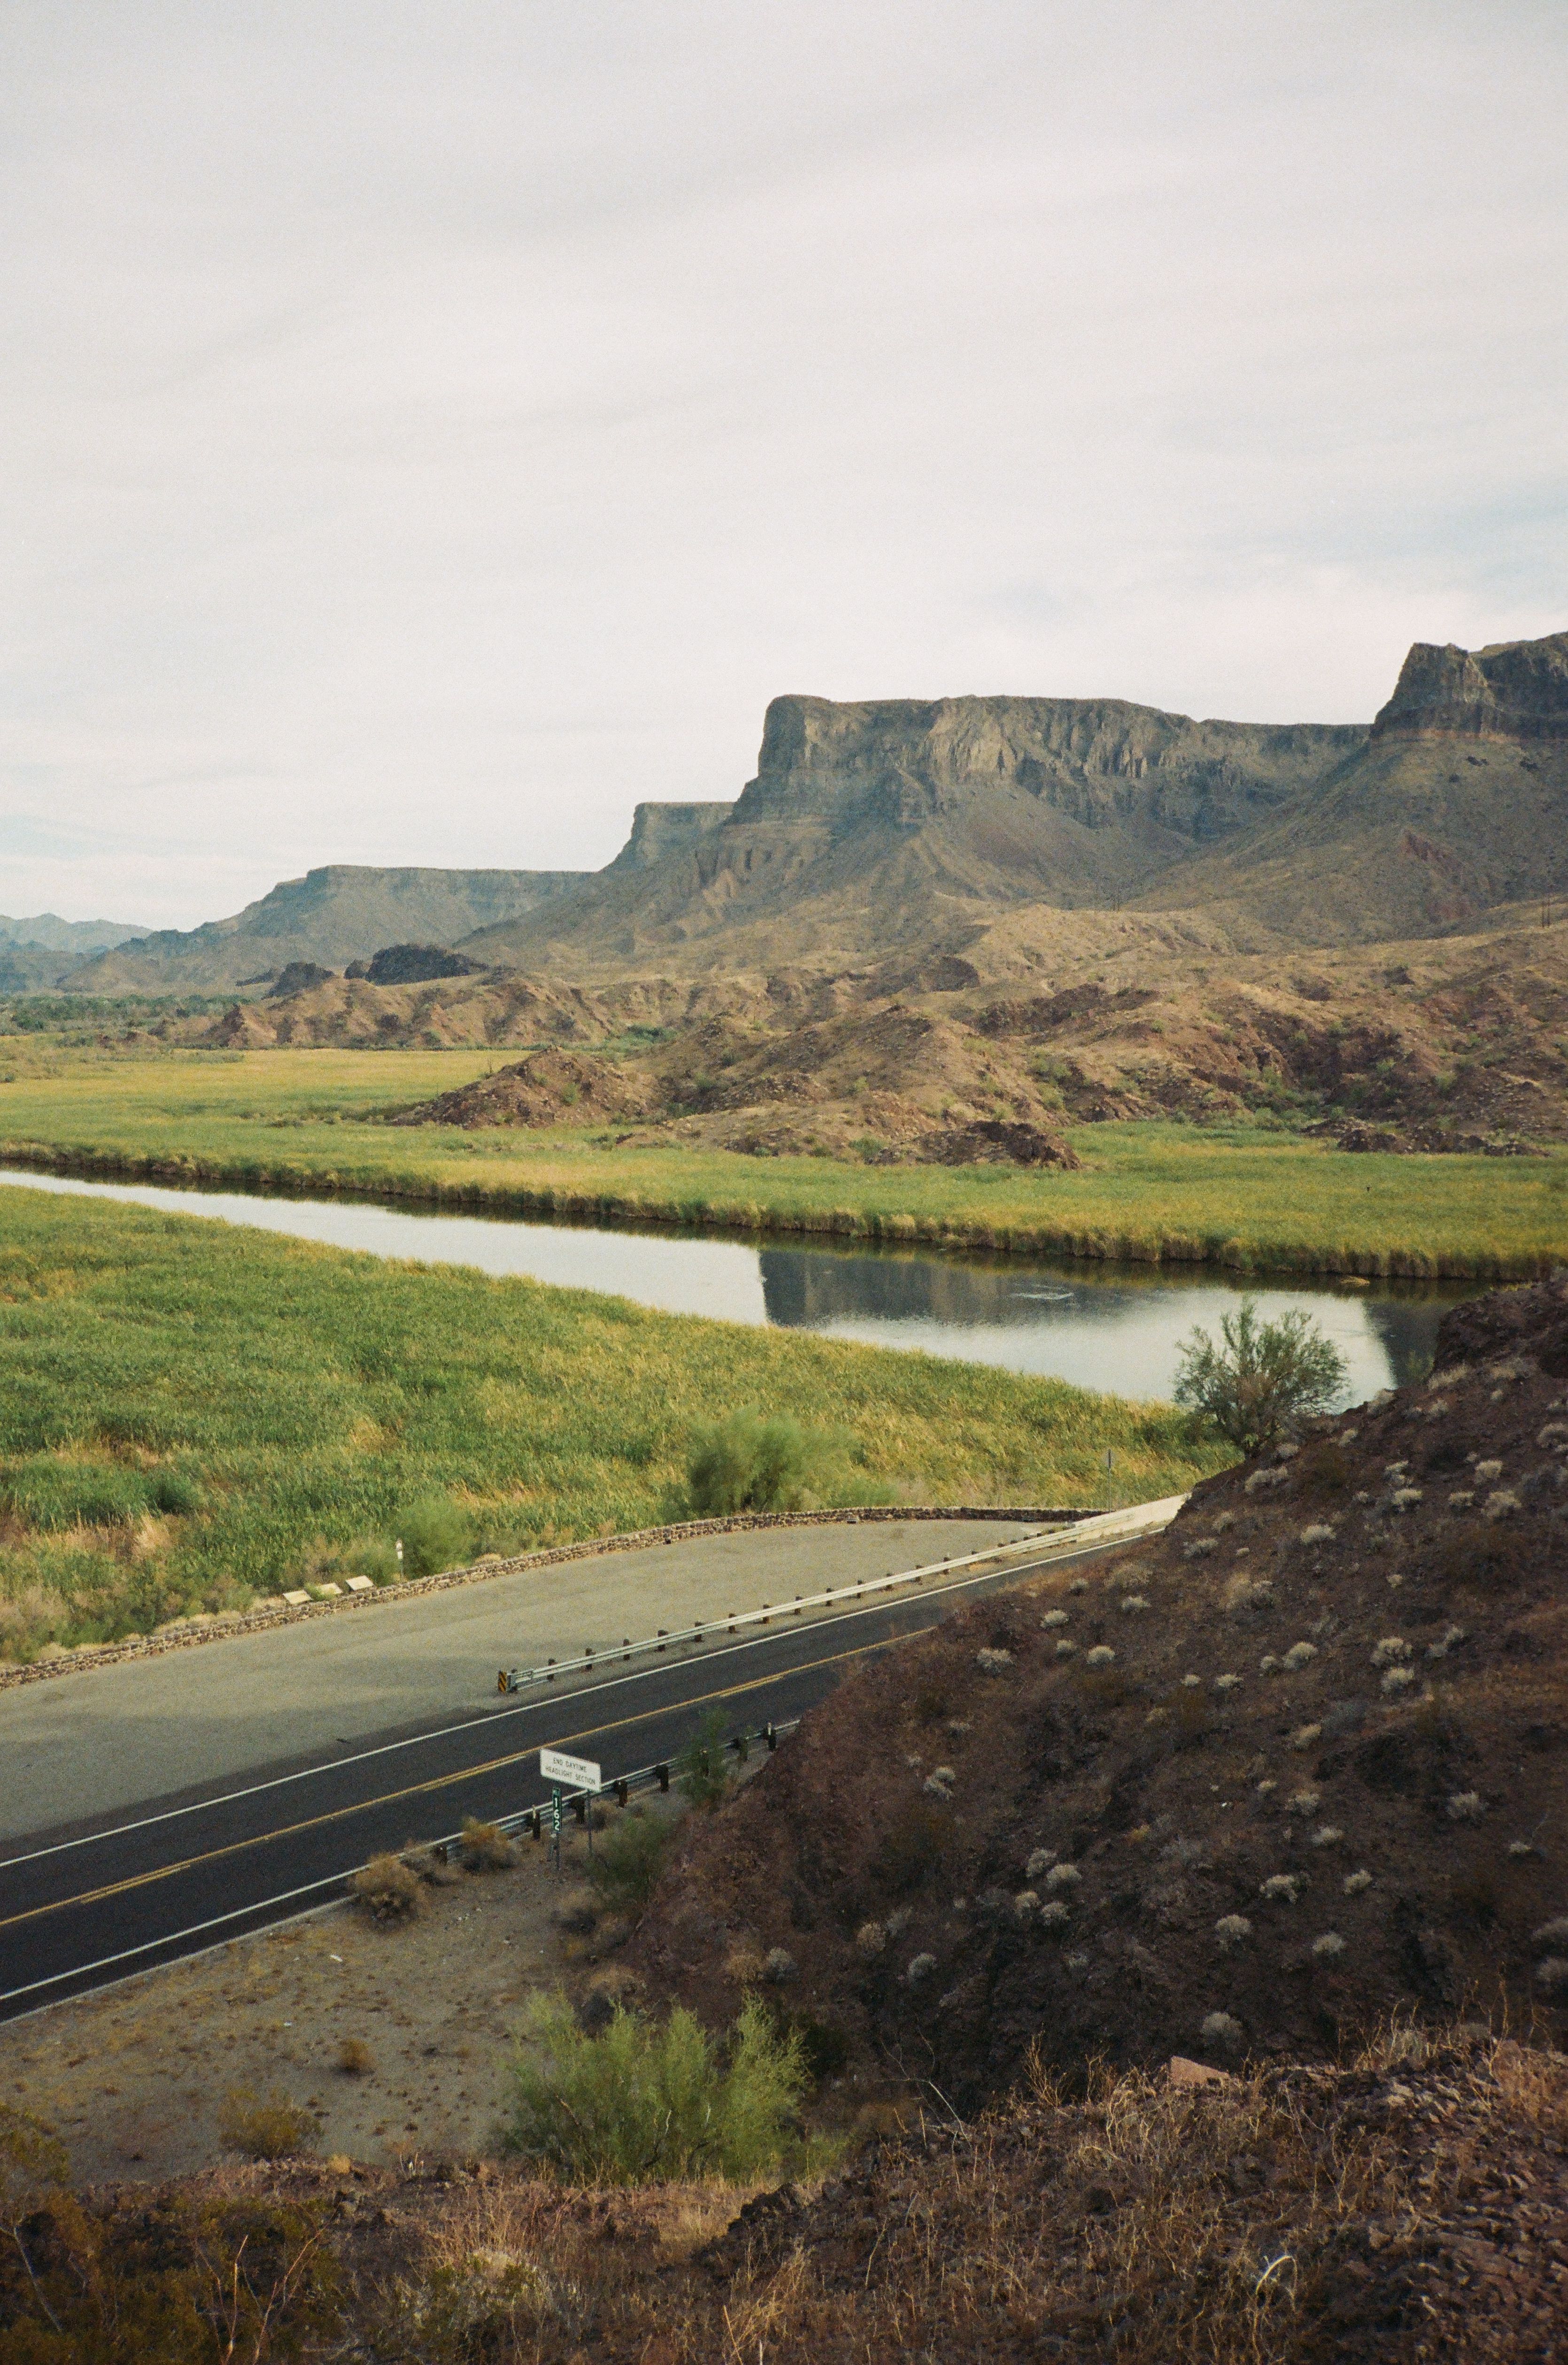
pixel 414 1790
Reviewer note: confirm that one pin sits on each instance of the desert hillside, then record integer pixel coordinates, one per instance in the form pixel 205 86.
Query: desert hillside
pixel 1294 1769
pixel 1458 803
pixel 1453 1042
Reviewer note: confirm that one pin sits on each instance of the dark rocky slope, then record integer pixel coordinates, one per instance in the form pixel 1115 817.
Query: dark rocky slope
pixel 1298 1766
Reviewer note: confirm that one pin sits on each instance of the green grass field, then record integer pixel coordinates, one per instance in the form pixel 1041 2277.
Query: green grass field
pixel 1241 1197
pixel 191 1416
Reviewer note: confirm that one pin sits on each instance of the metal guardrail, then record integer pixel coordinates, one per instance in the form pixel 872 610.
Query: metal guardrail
pixel 1141 1518
pixel 534 1821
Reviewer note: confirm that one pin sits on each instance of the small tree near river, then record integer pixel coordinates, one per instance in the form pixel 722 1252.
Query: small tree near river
pixel 1261 1377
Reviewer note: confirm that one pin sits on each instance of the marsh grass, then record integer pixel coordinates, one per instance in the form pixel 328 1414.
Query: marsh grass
pixel 1240 1197
pixel 192 1416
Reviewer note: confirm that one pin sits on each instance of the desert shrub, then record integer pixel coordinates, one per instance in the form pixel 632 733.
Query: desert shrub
pixel 575 1911
pixel 355 2059
pixel 486 1847
pixel 33 2161
pixel 1261 1377
pixel 630 1858
pixel 1325 1470
pixel 652 2101
pixel 752 1462
pixel 388 1888
pixel 913 1846
pixel 1482 1556
pixel 263 2126
pixel 703 1769
pixel 431 1865
pixel 824 2047
pixel 219 2278
pixel 434 1535
pixel 373 1557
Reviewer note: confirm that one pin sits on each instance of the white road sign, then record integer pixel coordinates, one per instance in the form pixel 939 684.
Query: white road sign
pixel 577 1772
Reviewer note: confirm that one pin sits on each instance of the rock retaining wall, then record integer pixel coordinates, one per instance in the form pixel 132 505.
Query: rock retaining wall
pixel 219 1626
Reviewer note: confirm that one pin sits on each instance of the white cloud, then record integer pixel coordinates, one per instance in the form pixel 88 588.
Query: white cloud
pixel 430 431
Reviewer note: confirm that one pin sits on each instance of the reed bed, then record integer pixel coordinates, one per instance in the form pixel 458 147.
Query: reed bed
pixel 193 1415
pixel 1239 1197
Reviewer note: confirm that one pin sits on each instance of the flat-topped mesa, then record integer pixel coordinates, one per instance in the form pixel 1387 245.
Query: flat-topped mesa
pixel 901 761
pixel 661 829
pixel 1513 690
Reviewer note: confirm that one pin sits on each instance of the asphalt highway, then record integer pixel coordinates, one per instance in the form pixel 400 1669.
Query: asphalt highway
pixel 79 1911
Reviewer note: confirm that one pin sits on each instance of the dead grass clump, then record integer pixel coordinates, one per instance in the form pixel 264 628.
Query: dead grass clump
pixel 387 1889
pixel 485 1847
pixel 355 2059
pixel 430 1866
pixel 263 2126
pixel 577 1912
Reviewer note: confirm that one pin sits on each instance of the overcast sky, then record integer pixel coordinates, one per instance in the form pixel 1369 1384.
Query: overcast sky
pixel 430 426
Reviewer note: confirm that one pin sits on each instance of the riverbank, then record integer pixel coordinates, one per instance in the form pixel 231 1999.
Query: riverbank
pixel 1242 1198
pixel 197 1417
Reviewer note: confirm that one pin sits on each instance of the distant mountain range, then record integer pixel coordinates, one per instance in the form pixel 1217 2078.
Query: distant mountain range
pixel 341 913
pixel 34 952
pixel 913 830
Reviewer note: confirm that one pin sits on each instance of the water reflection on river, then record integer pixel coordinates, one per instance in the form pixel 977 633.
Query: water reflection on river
pixel 1113 1326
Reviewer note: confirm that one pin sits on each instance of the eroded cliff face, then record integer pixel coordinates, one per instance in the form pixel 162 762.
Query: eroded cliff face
pixel 1102 762
pixel 1513 690
pixel 661 829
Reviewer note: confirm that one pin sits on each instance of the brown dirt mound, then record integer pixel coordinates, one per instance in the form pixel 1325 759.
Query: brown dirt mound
pixel 1301 1763
pixel 548 1088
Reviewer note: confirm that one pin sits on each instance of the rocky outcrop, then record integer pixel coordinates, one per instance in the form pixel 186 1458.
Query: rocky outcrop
pixel 1101 761
pixel 299 977
pixel 415 965
pixel 1513 690
pixel 660 830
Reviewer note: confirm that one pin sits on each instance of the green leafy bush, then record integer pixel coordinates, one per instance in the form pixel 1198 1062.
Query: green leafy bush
pixel 629 1860
pixel 650 2100
pixel 703 1768
pixel 1261 1377
pixel 435 1536
pixel 753 1463
pixel 373 1558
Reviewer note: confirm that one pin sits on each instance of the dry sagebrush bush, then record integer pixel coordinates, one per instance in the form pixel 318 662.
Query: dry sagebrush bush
pixel 263 2126
pixel 485 1847
pixel 387 1889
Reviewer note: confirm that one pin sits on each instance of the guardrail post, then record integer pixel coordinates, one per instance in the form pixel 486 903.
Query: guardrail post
pixel 621 1793
pixel 662 1772
pixel 534 1825
pixel 579 1807
pixel 770 1734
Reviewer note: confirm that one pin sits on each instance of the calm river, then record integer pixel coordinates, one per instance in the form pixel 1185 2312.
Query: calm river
pixel 1101 1326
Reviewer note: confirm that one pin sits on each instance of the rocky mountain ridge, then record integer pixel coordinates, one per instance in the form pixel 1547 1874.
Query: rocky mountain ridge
pixel 340 912
pixel 920 830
